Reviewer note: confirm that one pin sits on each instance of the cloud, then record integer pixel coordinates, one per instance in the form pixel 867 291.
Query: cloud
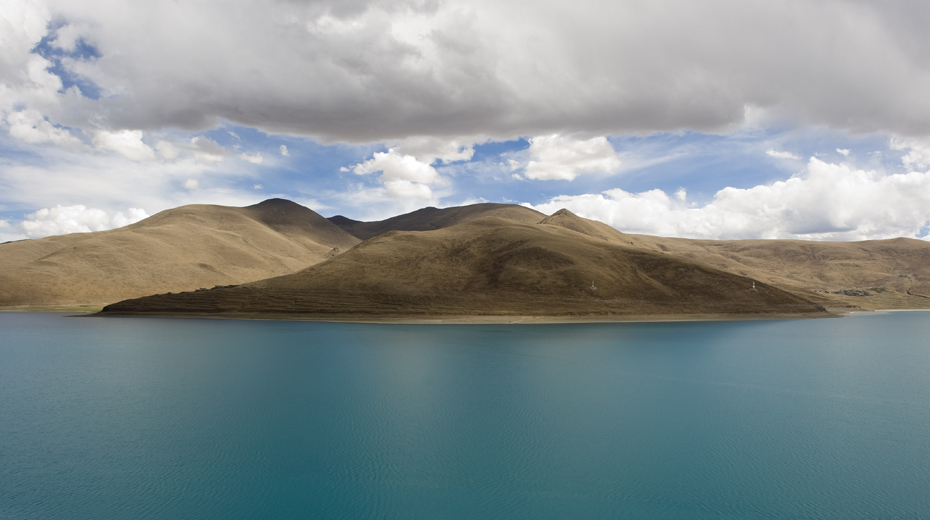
pixel 127 143
pixel 254 159
pixel 167 150
pixel 75 219
pixel 843 151
pixel 431 149
pixel 191 184
pixel 31 127
pixel 34 176
pixel 257 187
pixel 828 202
pixel 208 151
pixel 401 189
pixel 397 167
pixel 557 157
pixel 918 152
pixel 394 69
pixel 782 155
pixel 283 150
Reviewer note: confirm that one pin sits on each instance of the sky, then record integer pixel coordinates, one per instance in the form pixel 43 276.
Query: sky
pixel 709 119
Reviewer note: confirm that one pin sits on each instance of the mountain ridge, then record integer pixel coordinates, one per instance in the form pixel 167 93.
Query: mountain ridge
pixel 202 246
pixel 489 267
pixel 183 248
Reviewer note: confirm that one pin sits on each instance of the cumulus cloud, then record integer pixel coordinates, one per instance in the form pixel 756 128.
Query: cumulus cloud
pixel 403 176
pixel 283 151
pixel 827 202
pixel 843 151
pixel 191 184
pixel 392 69
pixel 30 126
pixel 127 143
pixel 782 155
pixel 75 219
pixel 558 157
pixel 918 152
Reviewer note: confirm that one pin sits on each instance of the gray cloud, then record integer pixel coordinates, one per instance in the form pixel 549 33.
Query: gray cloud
pixel 371 71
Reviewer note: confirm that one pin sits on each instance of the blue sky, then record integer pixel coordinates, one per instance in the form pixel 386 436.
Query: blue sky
pixel 797 120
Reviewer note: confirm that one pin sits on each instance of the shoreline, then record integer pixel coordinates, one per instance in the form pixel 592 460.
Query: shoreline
pixel 467 319
pixel 486 320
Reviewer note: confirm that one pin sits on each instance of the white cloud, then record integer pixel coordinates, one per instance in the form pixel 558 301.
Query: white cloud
pixel 403 176
pixel 828 202
pixel 208 151
pixel 111 181
pixel 167 150
pixel 127 143
pixel 401 189
pixel 31 127
pixel 782 155
pixel 843 151
pixel 283 150
pixel 557 157
pixel 918 155
pixel 397 167
pixel 75 219
pixel 254 159
pixel 431 149
pixel 257 187
pixel 191 184
pixel 67 36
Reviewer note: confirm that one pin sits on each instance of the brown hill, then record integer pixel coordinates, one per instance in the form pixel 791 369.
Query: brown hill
pixel 428 219
pixel 176 250
pixel 874 274
pixel 869 274
pixel 568 220
pixel 490 266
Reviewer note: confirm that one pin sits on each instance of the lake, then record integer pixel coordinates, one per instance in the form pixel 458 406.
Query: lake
pixel 154 418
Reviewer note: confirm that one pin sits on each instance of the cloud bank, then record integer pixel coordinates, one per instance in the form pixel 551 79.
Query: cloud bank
pixel 75 219
pixel 365 71
pixel 826 202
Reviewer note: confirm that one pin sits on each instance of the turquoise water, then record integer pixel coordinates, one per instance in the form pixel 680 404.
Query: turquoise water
pixel 150 418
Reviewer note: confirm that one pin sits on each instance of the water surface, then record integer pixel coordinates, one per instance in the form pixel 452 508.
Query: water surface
pixel 150 418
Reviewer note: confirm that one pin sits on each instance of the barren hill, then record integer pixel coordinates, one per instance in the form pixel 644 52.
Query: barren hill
pixel 871 274
pixel 489 266
pixel 428 219
pixel 185 248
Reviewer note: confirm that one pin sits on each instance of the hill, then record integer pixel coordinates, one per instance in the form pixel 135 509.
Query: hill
pixel 490 266
pixel 181 249
pixel 873 274
pixel 428 219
